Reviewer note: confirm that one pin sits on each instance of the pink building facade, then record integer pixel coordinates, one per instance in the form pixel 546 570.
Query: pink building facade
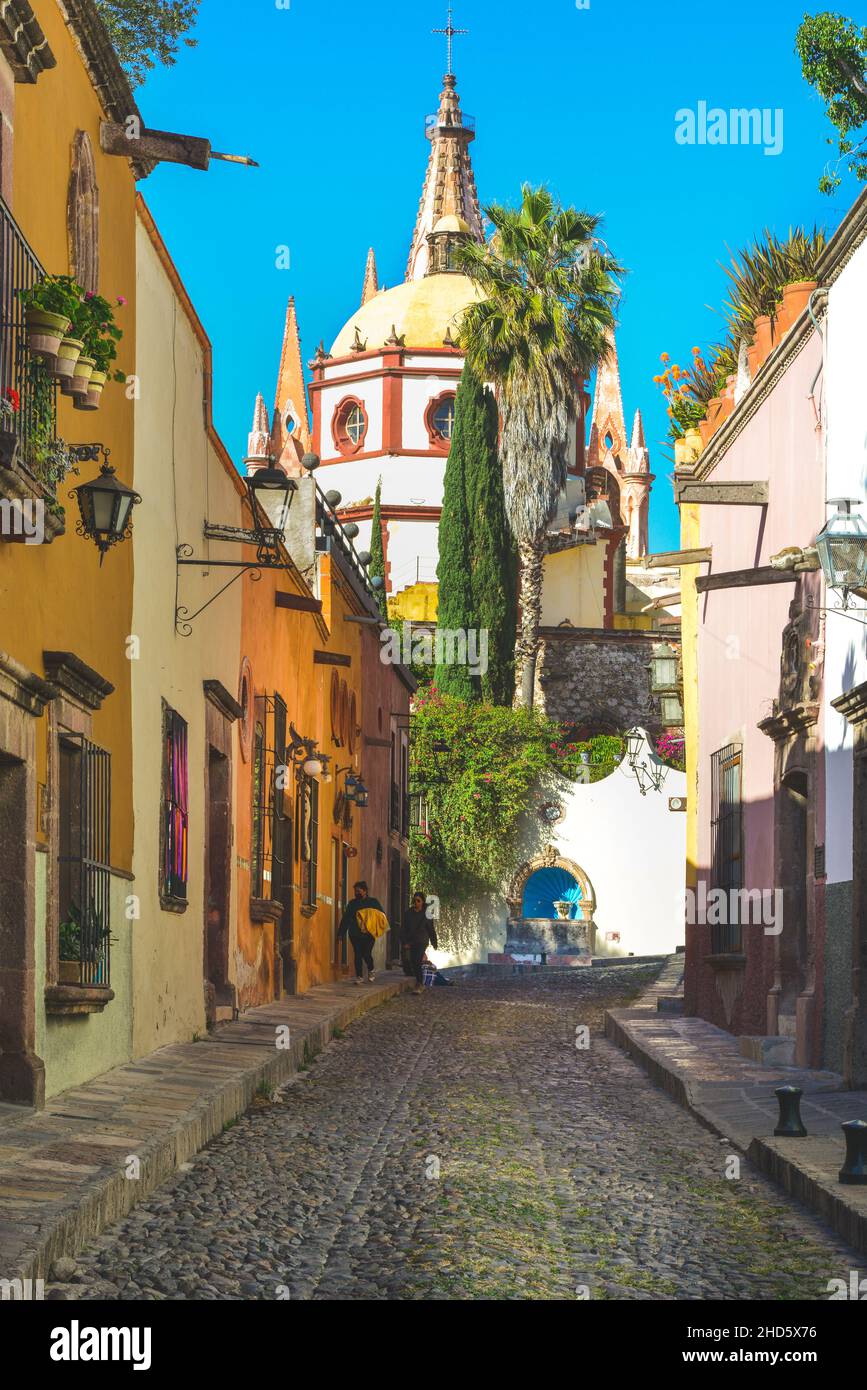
pixel 755 929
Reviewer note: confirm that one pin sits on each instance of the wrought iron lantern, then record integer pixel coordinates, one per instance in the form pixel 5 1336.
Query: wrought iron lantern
pixel 305 756
pixel 649 774
pixel 842 547
pixel 362 795
pixel 272 490
pixel 105 505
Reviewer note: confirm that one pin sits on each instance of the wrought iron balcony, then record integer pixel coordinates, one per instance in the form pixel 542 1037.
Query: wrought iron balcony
pixel 24 380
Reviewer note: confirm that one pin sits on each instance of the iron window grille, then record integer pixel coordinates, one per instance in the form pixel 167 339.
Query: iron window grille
pixel 727 842
pixel 174 830
pixel 271 847
pixel 84 858
pixel 34 423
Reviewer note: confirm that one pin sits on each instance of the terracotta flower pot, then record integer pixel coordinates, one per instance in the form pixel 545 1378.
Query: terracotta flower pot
pixel 70 972
pixel 79 381
pixel 45 332
pixel 67 358
pixel 753 360
pixel 764 337
pixel 95 387
pixel 796 297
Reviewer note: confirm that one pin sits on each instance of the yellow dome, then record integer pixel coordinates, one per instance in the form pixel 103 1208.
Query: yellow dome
pixel 421 311
pixel 451 223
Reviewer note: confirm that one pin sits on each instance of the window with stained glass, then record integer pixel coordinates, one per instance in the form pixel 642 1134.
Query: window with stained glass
pixel 175 807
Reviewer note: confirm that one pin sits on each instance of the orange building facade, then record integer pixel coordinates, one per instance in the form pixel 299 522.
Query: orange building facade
pixel 314 693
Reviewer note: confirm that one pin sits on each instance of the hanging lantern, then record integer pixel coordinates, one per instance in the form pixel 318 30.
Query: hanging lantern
pixel 842 547
pixel 106 506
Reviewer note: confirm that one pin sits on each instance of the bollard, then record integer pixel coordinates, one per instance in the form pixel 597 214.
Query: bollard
pixel 790 1125
pixel 854 1170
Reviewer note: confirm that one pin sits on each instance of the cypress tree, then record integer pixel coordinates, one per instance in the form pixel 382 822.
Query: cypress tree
pixel 493 554
pixel 455 599
pixel 377 555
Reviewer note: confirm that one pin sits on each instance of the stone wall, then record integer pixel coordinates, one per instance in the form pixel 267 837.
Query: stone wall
pixel 599 678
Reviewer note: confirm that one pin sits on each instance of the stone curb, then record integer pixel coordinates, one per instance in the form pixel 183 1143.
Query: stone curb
pixel 110 1196
pixel 807 1180
pixel 808 1174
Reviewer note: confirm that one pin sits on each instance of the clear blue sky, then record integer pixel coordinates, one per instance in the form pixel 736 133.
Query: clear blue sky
pixel 330 96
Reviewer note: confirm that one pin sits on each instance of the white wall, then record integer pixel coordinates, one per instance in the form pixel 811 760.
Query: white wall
pixel 846 453
pixel 631 847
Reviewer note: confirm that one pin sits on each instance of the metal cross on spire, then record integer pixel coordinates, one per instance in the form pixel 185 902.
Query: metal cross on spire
pixel 450 32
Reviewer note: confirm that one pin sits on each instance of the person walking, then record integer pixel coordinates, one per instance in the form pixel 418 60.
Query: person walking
pixel 363 921
pixel 418 933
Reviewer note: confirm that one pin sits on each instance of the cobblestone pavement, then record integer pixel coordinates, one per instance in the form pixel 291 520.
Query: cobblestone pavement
pixel 560 1170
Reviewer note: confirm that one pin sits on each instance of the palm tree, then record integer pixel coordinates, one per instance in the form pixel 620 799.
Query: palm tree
pixel 540 327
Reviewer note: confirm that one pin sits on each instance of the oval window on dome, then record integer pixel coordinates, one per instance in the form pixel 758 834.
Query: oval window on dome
pixel 356 424
pixel 443 418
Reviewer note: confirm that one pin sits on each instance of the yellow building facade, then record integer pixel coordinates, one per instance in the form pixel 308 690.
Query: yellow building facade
pixel 65 620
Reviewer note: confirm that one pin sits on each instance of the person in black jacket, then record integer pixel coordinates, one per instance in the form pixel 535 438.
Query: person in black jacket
pixel 362 941
pixel 418 933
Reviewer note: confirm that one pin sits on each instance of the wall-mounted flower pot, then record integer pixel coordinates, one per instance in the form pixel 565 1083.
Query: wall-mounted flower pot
pixel 80 380
pixel 764 337
pixel 95 388
pixel 67 359
pixel 45 332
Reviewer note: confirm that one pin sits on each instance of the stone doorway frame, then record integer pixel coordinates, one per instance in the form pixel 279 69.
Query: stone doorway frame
pixel 23 699
pixel 853 706
pixel 796 747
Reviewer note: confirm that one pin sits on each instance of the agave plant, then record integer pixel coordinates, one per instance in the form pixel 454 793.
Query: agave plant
pixel 761 272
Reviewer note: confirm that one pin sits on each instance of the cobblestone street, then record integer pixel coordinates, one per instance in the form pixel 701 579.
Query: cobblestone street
pixel 557 1168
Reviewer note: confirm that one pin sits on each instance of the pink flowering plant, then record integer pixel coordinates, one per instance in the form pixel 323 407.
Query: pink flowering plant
pixel 671 748
pixel 94 323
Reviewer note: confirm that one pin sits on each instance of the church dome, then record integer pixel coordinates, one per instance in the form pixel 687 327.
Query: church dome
pixel 420 311
pixel 452 223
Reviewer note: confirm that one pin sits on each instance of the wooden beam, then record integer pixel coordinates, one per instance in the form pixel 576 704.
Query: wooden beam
pixel 331 659
pixel 721 494
pixel 678 557
pixel 299 602
pixel 160 145
pixel 745 579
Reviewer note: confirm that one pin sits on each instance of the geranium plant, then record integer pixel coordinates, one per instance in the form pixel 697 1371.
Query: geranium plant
pixel 56 294
pixel 96 326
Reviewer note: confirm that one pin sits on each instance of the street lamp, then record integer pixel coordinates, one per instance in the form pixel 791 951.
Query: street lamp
pixel 106 506
pixel 273 490
pixel 842 547
pixel 648 775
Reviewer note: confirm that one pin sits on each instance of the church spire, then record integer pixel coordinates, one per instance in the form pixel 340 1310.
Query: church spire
pixel 371 279
pixel 290 434
pixel 450 184
pixel 608 440
pixel 259 438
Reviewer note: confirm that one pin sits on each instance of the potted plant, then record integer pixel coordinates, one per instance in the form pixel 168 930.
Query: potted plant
pixel 70 948
pixel 101 336
pixel 74 953
pixel 10 406
pixel 49 307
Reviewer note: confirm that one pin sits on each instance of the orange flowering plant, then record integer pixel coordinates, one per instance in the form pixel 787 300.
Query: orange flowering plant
pixel 688 390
